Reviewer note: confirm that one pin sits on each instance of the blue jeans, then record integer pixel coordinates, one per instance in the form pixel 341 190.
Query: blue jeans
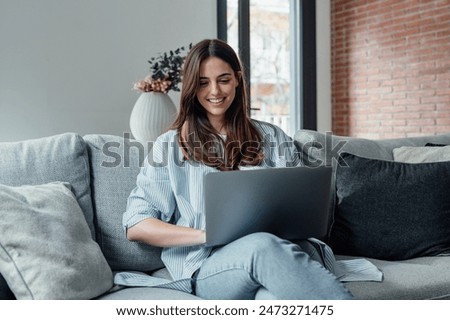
pixel 263 265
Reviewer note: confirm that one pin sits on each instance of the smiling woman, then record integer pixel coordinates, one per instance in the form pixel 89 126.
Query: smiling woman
pixel 213 131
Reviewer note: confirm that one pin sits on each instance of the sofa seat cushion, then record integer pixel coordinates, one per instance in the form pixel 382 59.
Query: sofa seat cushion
pixel 418 278
pixel 115 163
pixel 46 248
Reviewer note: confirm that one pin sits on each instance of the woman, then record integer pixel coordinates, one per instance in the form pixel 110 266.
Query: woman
pixel 214 132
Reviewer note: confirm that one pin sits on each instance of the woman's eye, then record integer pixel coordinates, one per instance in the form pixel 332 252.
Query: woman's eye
pixel 224 81
pixel 203 84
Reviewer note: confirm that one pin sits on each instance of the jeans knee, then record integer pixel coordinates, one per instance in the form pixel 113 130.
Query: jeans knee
pixel 262 242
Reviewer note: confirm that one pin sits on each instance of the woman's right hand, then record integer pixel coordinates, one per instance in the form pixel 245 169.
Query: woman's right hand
pixel 162 234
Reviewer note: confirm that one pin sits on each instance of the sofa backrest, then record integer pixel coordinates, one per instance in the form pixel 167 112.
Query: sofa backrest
pixel 61 157
pixel 115 163
pixel 323 148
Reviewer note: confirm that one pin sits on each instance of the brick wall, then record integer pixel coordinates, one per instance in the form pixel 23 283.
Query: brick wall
pixel 390 67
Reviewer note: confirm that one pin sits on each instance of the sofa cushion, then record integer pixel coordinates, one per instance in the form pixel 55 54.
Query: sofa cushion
pixel 115 163
pixel 57 158
pixel 391 210
pixel 46 248
pixel 419 278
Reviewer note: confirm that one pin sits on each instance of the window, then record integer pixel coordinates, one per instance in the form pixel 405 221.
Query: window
pixel 268 34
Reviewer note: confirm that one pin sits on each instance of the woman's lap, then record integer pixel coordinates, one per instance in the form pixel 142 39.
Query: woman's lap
pixel 264 261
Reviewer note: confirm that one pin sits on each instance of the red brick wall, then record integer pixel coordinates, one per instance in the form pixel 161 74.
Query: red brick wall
pixel 390 67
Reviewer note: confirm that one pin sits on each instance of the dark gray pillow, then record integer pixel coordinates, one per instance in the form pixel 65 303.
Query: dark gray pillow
pixel 5 291
pixel 391 210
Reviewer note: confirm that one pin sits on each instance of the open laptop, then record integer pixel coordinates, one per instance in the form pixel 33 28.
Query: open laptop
pixel 291 203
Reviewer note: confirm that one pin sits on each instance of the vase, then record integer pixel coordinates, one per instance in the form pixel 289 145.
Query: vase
pixel 152 115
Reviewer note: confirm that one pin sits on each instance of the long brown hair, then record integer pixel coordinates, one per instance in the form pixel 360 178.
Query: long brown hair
pixel 197 138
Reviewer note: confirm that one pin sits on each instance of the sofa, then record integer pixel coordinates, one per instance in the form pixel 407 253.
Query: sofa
pixel 63 196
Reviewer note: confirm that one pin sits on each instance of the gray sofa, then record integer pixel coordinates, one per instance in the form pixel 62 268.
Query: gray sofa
pixel 100 171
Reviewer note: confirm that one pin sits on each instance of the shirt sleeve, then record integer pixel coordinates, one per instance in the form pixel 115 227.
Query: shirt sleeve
pixel 153 196
pixel 280 149
pixel 287 149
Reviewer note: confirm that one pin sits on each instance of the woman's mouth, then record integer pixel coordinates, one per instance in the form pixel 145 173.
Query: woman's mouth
pixel 215 100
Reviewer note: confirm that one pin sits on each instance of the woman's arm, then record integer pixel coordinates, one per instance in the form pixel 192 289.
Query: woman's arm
pixel 162 234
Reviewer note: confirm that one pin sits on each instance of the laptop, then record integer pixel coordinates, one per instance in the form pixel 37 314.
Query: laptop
pixel 291 203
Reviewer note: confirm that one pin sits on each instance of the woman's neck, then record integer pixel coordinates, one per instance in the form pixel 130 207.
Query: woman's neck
pixel 218 125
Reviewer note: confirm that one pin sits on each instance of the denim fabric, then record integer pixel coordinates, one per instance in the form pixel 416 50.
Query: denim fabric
pixel 263 262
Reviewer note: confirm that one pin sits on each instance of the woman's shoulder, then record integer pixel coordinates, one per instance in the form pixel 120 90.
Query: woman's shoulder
pixel 168 136
pixel 269 128
pixel 165 140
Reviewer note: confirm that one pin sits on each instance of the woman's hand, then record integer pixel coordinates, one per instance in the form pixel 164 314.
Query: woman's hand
pixel 162 234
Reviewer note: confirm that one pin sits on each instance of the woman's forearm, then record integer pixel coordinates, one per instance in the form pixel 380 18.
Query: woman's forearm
pixel 162 234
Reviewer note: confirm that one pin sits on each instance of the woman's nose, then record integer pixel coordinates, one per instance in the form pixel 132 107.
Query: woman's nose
pixel 215 88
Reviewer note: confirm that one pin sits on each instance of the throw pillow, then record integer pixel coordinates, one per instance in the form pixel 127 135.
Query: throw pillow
pixel 422 154
pixel 46 249
pixel 391 210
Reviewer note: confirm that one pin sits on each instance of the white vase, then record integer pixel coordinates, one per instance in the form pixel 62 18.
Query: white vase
pixel 152 115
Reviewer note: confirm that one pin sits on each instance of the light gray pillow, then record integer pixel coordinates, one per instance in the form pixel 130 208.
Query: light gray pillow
pixel 421 154
pixel 46 249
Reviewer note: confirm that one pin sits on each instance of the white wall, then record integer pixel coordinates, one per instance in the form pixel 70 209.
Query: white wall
pixel 323 47
pixel 69 65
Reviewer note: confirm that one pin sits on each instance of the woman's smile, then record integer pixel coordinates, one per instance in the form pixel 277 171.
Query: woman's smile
pixel 216 100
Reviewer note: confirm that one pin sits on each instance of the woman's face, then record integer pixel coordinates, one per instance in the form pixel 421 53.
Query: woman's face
pixel 217 89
